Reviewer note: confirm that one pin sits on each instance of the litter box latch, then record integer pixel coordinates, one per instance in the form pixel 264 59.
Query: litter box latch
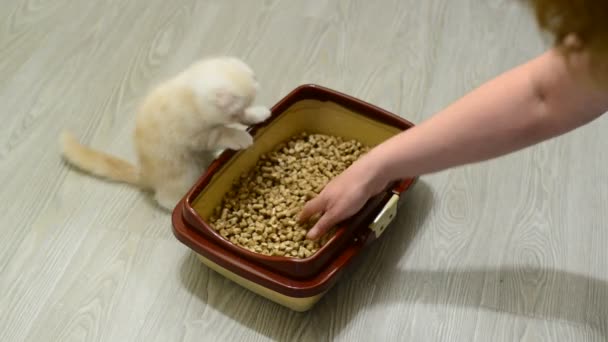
pixel 386 216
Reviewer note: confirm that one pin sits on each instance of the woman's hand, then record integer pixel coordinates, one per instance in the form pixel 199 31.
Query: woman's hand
pixel 344 196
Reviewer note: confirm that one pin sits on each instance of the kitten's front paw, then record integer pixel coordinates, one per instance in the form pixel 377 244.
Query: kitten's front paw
pixel 256 114
pixel 242 141
pixel 236 139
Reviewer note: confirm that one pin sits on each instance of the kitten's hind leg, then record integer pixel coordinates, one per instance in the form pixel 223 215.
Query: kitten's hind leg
pixel 166 199
pixel 172 189
pixel 170 193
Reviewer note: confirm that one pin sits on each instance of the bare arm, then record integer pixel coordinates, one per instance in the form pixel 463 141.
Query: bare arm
pixel 529 104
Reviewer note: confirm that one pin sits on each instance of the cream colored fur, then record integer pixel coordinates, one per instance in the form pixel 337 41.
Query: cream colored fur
pixel 179 127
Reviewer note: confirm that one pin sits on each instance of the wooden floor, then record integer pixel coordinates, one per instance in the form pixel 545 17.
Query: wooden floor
pixel 511 250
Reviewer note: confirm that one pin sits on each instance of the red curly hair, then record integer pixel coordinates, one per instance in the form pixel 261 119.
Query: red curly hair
pixel 584 20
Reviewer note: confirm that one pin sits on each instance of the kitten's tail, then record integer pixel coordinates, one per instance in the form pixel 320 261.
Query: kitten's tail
pixel 98 163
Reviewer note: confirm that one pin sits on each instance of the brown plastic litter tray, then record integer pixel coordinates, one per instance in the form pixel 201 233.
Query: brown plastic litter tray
pixel 296 283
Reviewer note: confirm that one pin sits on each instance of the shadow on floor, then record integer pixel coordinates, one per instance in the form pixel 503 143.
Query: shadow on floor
pixel 532 292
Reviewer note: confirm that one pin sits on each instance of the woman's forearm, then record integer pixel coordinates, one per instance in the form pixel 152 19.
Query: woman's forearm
pixel 531 103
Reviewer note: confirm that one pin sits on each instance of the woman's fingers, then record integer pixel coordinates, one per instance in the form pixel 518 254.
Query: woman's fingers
pixel 325 223
pixel 313 207
pixel 319 205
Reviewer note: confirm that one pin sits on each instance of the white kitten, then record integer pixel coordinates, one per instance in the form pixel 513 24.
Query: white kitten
pixel 179 126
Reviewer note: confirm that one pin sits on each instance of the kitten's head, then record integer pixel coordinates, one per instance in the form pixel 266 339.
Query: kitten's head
pixel 224 87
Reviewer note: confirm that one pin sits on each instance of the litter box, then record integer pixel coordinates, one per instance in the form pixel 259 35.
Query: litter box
pixel 295 283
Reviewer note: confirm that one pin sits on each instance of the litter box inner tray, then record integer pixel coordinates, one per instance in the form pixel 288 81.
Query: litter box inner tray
pixel 312 109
